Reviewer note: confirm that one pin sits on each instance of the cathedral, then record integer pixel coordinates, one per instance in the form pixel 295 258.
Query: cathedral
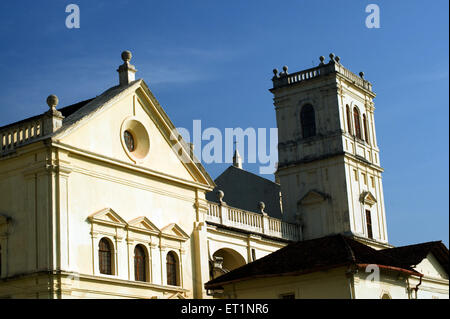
pixel 104 199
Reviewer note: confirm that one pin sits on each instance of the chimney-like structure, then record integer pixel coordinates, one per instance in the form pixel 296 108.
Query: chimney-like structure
pixel 126 70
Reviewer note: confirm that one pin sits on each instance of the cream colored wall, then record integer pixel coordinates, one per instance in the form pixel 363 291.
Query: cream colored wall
pixel 433 289
pixel 331 284
pixel 102 135
pixel 322 175
pixel 129 193
pixel 430 267
pixel 24 197
pixel 130 197
pixel 393 284
pixel 49 208
pixel 353 97
pixel 28 239
pixel 355 187
pixel 435 284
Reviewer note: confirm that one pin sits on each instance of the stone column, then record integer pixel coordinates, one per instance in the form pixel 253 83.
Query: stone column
pixel 200 253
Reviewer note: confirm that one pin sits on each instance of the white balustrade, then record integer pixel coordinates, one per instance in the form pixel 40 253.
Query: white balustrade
pixel 250 221
pixel 286 79
pixel 12 137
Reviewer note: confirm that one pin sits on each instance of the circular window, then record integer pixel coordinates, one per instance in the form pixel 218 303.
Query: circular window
pixel 135 139
pixel 129 141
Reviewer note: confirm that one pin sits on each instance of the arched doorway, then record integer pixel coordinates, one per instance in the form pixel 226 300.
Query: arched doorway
pixel 225 260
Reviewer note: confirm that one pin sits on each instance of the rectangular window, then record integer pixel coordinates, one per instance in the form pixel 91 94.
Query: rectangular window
pixel 369 224
pixel 356 174
pixel 372 180
pixel 364 178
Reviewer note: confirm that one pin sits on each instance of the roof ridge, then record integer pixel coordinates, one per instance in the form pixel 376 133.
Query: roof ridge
pixel 418 244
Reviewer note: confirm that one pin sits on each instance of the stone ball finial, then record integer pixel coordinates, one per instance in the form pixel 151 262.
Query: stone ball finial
pixel 126 56
pixel 261 206
pixel 321 58
pixel 337 59
pixel 285 69
pixel 52 101
pixel 331 56
pixel 275 72
pixel 220 195
pixel 361 74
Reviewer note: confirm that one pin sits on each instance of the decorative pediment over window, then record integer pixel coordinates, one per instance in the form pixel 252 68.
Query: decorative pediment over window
pixel 107 216
pixel 175 232
pixel 143 224
pixel 176 296
pixel 313 197
pixel 367 198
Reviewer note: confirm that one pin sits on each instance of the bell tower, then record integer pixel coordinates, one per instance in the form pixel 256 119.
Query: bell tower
pixel 329 167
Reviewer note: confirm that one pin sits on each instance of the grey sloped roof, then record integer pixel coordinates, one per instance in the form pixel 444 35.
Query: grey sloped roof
pixel 310 256
pixel 65 111
pixel 245 190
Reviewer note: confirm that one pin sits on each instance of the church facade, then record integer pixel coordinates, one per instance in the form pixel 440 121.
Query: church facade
pixel 104 199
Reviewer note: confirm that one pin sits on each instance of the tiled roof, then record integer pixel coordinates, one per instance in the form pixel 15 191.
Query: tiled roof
pixel 412 255
pixel 310 256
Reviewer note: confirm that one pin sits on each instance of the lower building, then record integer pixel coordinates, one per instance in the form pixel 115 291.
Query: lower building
pixel 340 267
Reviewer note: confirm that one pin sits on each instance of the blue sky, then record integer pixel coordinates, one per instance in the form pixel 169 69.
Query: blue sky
pixel 213 60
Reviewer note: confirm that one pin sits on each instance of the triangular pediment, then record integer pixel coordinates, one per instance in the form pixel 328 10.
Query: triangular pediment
pixel 107 216
pixel 313 197
pixel 174 231
pixel 98 129
pixel 368 198
pixel 431 267
pixel 176 296
pixel 144 224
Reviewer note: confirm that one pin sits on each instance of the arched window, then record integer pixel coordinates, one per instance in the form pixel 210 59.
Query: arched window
pixel 386 296
pixel 105 254
pixel 140 263
pixel 366 130
pixel 357 123
pixel 172 269
pixel 308 121
pixel 349 119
